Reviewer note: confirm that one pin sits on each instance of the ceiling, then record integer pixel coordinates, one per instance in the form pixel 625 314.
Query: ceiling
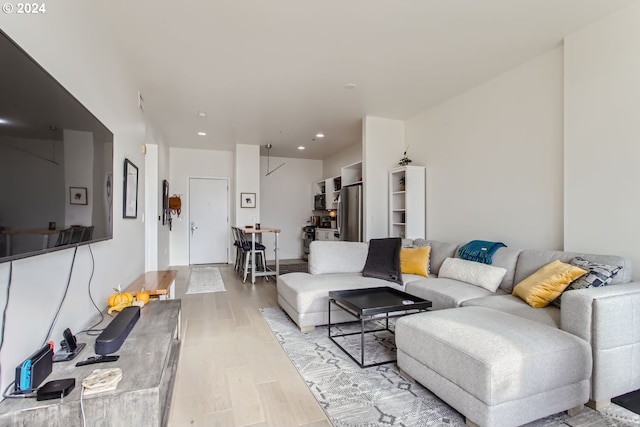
pixel 278 71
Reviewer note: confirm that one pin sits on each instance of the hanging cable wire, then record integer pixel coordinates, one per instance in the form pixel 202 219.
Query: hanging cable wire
pixel 64 296
pixel 91 331
pixel 4 313
pixel 269 172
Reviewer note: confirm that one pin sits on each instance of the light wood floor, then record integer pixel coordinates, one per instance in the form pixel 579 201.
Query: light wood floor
pixel 232 371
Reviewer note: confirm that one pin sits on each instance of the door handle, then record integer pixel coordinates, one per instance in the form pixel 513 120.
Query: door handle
pixel 193 227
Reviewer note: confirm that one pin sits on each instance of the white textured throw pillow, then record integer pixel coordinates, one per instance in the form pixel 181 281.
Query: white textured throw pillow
pixel 475 273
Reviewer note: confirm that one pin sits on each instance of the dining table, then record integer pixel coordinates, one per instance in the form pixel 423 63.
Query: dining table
pixel 44 232
pixel 261 231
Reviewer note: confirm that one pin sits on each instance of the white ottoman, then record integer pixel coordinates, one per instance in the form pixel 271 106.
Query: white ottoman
pixel 495 368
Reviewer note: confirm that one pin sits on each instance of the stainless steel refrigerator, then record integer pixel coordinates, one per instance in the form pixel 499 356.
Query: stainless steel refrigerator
pixel 350 215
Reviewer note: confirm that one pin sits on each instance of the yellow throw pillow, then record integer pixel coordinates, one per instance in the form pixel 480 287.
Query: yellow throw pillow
pixel 546 284
pixel 415 260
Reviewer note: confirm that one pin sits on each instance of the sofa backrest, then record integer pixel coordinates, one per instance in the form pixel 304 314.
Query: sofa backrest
pixel 439 252
pixel 506 257
pixel 337 257
pixel 531 260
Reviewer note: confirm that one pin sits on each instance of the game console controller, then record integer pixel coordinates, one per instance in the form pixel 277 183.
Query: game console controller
pixel 25 375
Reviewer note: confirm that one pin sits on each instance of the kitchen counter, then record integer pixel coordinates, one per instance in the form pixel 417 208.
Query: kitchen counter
pixel 326 234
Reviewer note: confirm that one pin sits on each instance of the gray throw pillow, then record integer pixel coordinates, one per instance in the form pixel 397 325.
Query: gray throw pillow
pixel 597 275
pixel 383 260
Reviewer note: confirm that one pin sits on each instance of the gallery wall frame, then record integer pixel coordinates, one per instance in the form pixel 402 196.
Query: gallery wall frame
pixel 247 200
pixel 78 196
pixel 130 203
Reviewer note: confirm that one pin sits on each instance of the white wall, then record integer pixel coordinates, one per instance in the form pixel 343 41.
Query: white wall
pixel 154 197
pixel 70 42
pixel 185 164
pixel 332 165
pixel 44 177
pixel 602 144
pixel 494 159
pixel 383 141
pixel 287 202
pixel 78 155
pixel 164 235
pixel 247 179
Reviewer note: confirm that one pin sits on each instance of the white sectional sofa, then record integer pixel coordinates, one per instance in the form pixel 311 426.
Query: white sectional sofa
pixel 596 329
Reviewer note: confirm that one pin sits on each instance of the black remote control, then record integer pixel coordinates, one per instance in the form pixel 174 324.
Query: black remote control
pixel 97 359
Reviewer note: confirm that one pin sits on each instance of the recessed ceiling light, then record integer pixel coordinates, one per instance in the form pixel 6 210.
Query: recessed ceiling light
pixel 350 86
pixel 202 133
pixel 300 147
pixel 202 114
pixel 320 135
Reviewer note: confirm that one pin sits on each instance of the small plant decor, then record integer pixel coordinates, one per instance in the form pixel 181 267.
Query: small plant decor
pixel 404 161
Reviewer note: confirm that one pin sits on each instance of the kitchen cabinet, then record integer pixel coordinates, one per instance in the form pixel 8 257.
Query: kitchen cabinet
pixel 330 187
pixel 333 186
pixel 326 234
pixel 352 174
pixel 407 202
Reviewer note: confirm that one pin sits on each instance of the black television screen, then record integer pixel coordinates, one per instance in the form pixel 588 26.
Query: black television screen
pixel 56 162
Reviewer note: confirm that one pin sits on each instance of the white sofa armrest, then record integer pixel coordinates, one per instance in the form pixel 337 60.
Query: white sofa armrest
pixel 337 257
pixel 609 319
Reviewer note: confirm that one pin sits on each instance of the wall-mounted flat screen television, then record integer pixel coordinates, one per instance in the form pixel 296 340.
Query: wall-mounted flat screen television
pixel 56 162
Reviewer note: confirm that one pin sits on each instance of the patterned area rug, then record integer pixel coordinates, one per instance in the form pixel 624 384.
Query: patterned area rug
pixel 379 396
pixel 204 280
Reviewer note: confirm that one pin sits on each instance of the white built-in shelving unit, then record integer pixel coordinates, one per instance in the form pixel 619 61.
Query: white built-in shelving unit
pixel 407 202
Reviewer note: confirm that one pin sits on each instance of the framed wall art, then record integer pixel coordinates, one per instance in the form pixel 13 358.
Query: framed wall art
pixel 166 213
pixel 130 204
pixel 78 195
pixel 247 200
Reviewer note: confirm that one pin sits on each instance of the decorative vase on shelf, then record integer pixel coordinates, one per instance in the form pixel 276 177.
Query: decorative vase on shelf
pixel 402 181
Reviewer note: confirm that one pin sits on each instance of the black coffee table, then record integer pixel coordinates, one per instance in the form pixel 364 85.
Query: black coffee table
pixel 369 304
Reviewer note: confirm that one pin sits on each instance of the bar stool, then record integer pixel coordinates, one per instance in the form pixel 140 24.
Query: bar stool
pixel 245 250
pixel 237 242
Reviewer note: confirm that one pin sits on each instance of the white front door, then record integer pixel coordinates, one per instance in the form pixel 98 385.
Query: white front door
pixel 208 221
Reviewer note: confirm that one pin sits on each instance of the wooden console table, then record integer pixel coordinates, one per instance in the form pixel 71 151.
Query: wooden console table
pixel 160 284
pixel 148 359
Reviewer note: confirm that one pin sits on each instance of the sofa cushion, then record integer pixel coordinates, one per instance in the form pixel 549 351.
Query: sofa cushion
pixel 597 275
pixel 309 292
pixel 383 260
pixel 415 260
pixel 337 257
pixel 439 252
pixel 531 260
pixel 543 286
pixel 445 293
pixel 549 315
pixel 507 258
pixel 474 273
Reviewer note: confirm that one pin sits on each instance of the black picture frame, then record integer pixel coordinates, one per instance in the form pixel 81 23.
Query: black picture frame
pixel 166 216
pixel 78 196
pixel 130 201
pixel 247 200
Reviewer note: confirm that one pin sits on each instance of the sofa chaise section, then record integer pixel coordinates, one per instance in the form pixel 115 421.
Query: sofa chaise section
pixel 495 368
